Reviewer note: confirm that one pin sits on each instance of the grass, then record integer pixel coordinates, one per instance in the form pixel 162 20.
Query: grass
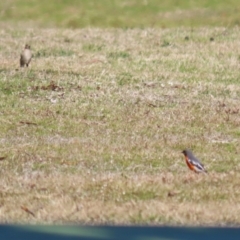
pixel 93 130
pixel 124 14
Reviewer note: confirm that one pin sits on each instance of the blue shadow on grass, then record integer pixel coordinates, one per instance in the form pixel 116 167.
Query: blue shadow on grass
pixel 22 232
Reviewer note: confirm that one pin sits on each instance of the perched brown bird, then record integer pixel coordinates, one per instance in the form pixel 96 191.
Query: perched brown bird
pixel 26 56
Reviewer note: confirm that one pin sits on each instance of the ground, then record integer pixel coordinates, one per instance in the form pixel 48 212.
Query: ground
pixel 93 130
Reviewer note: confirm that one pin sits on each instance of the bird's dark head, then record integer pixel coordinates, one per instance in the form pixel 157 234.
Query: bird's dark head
pixel 186 152
pixel 27 46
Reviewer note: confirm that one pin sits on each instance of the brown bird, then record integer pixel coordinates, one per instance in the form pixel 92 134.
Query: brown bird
pixel 26 56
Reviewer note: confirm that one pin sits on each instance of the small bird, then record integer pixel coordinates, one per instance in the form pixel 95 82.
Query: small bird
pixel 193 163
pixel 26 56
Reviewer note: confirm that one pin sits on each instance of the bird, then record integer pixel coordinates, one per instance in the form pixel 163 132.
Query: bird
pixel 193 163
pixel 26 56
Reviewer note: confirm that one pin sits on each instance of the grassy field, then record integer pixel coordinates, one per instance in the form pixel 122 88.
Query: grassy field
pixel 93 130
pixel 116 13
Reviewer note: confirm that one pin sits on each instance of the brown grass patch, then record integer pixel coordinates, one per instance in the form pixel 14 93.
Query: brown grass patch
pixel 93 130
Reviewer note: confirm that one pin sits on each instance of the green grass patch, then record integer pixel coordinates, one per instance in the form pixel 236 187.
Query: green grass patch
pixel 121 14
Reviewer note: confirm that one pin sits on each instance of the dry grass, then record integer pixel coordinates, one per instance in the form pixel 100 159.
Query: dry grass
pixel 93 130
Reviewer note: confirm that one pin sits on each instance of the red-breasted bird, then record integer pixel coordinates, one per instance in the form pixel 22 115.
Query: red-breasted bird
pixel 193 163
